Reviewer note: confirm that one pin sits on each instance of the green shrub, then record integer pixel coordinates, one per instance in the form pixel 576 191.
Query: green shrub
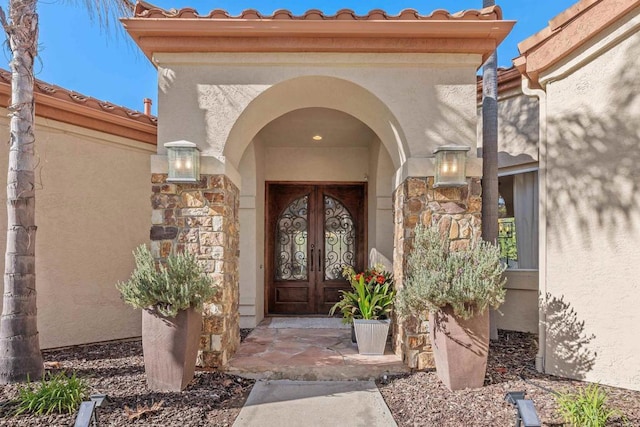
pixel 371 297
pixel 168 289
pixel 57 393
pixel 468 280
pixel 586 408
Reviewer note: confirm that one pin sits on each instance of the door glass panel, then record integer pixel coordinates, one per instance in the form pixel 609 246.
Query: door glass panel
pixel 339 238
pixel 291 241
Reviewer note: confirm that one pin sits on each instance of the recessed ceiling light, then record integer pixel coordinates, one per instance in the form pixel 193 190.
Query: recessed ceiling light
pixel 317 137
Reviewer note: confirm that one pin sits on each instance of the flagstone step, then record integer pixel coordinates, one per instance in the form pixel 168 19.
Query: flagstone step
pixel 309 354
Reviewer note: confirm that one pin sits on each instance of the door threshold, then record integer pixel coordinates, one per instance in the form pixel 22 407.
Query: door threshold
pixel 307 322
pixel 301 315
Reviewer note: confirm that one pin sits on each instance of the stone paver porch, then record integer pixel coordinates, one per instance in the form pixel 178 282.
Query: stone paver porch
pixel 311 349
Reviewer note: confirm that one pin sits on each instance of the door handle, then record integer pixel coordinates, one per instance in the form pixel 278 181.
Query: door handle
pixel 320 266
pixel 311 257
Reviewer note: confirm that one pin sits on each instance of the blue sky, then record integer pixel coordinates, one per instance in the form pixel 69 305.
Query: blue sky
pixel 108 66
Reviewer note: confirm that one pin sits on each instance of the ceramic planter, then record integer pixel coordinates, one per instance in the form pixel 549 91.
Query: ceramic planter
pixel 170 347
pixel 371 335
pixel 460 348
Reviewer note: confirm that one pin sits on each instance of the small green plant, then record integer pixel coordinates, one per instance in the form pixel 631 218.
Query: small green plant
pixel 167 289
pixel 469 280
pixel 586 407
pixel 371 297
pixel 56 393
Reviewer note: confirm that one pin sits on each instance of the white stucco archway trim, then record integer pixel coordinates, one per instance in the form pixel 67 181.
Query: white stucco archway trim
pixel 316 91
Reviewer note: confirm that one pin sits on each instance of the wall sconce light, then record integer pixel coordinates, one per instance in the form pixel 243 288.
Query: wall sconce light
pixel 184 161
pixel 451 166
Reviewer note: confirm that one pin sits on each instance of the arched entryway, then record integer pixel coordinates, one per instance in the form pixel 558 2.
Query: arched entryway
pixel 410 79
pixel 333 159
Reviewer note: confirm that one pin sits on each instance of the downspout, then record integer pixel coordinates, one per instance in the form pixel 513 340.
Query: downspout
pixel 542 219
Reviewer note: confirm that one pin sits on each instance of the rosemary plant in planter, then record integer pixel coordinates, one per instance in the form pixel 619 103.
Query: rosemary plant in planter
pixel 456 288
pixel 171 297
pixel 368 306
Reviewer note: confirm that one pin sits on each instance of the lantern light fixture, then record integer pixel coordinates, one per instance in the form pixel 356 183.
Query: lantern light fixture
pixel 184 161
pixel 451 166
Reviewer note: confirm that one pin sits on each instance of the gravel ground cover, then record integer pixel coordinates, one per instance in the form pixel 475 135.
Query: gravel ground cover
pixel 117 369
pixel 215 399
pixel 420 399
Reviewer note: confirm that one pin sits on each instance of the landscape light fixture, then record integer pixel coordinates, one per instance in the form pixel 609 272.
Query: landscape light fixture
pixel 184 161
pixel 451 166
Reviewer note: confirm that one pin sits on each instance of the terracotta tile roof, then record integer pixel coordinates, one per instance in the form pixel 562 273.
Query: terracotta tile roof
pixel 165 31
pixel 146 10
pixel 567 32
pixel 508 78
pixel 67 106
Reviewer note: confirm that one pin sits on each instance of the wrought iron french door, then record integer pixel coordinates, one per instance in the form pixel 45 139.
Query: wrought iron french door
pixel 313 231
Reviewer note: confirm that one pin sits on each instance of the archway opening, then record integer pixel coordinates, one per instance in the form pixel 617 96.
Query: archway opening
pixel 344 152
pixel 316 92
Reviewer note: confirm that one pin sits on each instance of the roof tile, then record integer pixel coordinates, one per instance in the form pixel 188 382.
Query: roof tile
pixel 146 10
pixel 58 95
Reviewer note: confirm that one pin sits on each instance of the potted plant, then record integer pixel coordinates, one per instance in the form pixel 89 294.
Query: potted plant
pixel 348 306
pixel 171 297
pixel 456 288
pixel 368 307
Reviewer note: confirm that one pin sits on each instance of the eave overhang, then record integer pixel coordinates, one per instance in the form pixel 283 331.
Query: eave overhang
pixel 474 32
pixel 56 103
pixel 566 33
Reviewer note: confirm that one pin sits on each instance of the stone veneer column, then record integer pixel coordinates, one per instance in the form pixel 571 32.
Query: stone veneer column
pixel 456 212
pixel 202 219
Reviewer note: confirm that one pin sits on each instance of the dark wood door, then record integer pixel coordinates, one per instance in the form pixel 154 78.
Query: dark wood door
pixel 313 231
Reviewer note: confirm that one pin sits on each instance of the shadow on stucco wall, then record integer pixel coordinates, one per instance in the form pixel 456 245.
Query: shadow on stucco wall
pixel 593 180
pixel 448 125
pixel 566 335
pixel 518 131
pixel 519 125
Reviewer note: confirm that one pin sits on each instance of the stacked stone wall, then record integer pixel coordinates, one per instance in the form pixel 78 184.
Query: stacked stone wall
pixel 202 219
pixel 456 212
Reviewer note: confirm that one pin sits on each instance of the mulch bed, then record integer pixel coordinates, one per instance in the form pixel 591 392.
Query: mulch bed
pixel 420 399
pixel 212 399
pixel 215 399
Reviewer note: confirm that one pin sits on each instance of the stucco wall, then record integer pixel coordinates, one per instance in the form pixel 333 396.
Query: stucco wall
pixel 593 211
pixel 252 235
pixel 381 202
pixel 413 102
pixel 92 210
pixel 520 309
pixel 316 164
pixel 518 129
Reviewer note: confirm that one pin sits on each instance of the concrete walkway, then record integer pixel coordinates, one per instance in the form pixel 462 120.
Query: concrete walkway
pixel 315 403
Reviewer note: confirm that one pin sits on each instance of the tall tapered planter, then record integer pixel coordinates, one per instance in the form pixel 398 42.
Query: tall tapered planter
pixel 170 347
pixel 460 348
pixel 371 335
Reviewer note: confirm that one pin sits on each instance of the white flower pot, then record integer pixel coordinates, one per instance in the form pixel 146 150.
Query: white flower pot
pixel 371 335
